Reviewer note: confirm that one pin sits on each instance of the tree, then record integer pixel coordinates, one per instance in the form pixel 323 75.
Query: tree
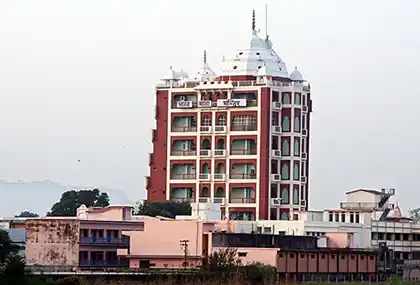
pixel 415 215
pixel 14 272
pixel 71 200
pixel 167 209
pixel 27 214
pixel 7 247
pixel 223 260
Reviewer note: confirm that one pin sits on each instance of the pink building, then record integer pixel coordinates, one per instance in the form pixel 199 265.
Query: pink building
pixel 92 238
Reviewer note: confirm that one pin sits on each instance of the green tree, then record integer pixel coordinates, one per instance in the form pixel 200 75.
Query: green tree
pixel 27 214
pixel 223 260
pixel 7 247
pixel 14 272
pixel 167 209
pixel 415 215
pixel 71 200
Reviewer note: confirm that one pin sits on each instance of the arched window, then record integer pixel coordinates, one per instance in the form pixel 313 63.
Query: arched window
pixel 285 148
pixel 296 196
pixel 285 196
pixel 296 171
pixel 205 192
pixel 285 124
pixel 285 175
pixel 286 98
pixel 296 147
pixel 297 125
pixel 220 192
pixel 297 99
pixel 205 144
pixel 284 216
pixel 205 168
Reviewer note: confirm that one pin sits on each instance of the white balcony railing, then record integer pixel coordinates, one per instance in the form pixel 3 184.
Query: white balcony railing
pixel 219 177
pixel 204 177
pixel 220 152
pixel 205 129
pixel 220 129
pixel 205 152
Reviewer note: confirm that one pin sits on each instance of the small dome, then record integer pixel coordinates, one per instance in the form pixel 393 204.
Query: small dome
pixel 205 73
pixel 182 74
pixel 296 75
pixel 171 75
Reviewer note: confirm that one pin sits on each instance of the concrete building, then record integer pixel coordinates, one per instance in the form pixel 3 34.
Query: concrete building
pixel 239 138
pixel 92 238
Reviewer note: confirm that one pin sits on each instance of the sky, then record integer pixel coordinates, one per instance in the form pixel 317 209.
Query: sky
pixel 77 83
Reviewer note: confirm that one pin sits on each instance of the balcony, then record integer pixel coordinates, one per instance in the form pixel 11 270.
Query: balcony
pixel 220 152
pixel 219 200
pixel 205 129
pixel 204 177
pixel 204 200
pixel 219 177
pixel 276 106
pixel 186 152
pixel 205 152
pixel 243 176
pixel 359 206
pixel 184 129
pixel 183 199
pixel 104 241
pixel 238 151
pixel 110 263
pixel 242 200
pixel 184 176
pixel 244 128
pixel 220 129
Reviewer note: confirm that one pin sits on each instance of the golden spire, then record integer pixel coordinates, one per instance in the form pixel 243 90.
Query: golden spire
pixel 253 20
pixel 205 56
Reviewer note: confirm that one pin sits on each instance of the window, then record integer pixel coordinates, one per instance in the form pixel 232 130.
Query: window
pixel 351 217
pixel 285 175
pixel 275 118
pixel 221 121
pixel 296 147
pixel 206 121
pixel 357 218
pixel 286 98
pixel 285 148
pixel 285 196
pixel 297 99
pixel 343 218
pixel 296 196
pixel 297 125
pixel 244 123
pixel 337 217
pixel 285 126
pixel 331 217
pixel 296 172
pixel 242 254
pixel 284 217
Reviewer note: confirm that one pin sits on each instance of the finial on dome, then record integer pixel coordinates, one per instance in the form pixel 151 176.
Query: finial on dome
pixel 205 56
pixel 253 20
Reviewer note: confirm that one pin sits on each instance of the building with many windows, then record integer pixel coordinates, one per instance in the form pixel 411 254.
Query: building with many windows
pixel 238 138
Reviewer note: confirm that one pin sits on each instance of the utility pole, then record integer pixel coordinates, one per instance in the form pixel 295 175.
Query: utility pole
pixel 184 246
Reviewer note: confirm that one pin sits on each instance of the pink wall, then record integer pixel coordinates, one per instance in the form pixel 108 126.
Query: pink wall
pixel 267 256
pixel 340 240
pixel 162 238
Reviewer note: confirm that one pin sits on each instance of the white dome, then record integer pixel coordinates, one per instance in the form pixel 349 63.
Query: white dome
pixel 205 73
pixel 249 61
pixel 296 75
pixel 171 75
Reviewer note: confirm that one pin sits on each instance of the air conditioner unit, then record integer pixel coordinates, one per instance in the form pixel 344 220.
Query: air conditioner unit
pixel 303 179
pixel 275 201
pixel 302 203
pixel 275 177
pixel 304 156
pixel 304 109
pixel 304 132
pixel 276 129
pixel 275 153
pixel 276 105
pixel 220 129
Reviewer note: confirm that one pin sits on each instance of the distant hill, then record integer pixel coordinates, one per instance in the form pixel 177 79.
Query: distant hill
pixel 39 196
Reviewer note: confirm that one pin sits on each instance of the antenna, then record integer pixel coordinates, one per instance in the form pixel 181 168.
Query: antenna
pixel 253 21
pixel 266 21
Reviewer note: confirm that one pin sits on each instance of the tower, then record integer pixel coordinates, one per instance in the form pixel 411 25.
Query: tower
pixel 239 138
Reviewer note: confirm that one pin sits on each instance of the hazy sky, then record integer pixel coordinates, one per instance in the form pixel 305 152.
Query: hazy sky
pixel 77 82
